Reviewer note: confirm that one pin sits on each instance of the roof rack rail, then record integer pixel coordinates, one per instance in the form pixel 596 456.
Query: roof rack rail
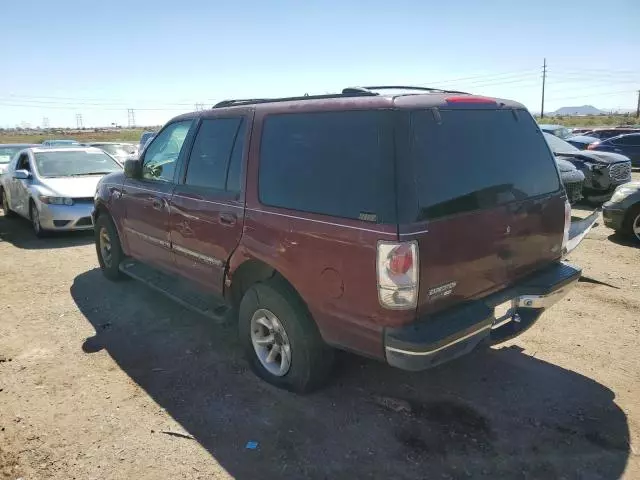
pixel 355 92
pixel 238 101
pixel 404 87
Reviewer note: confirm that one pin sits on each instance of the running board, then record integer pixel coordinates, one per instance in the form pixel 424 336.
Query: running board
pixel 179 290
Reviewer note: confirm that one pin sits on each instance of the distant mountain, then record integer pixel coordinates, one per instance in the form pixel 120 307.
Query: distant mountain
pixel 583 110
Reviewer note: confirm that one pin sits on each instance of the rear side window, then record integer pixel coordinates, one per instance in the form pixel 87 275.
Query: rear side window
pixel 209 161
pixel 476 159
pixel 332 163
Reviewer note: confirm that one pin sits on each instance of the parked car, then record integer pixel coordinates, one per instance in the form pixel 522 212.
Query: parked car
pixel 581 142
pixel 604 133
pixel 580 130
pixel 628 145
pixel 119 150
pixel 60 143
pixel 559 131
pixel 54 187
pixel 603 171
pixel 144 139
pixel 409 228
pixel 622 212
pixel 8 150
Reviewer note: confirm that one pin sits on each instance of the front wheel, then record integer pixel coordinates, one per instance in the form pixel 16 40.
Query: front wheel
pixel 108 248
pixel 280 339
pixel 34 215
pixel 632 226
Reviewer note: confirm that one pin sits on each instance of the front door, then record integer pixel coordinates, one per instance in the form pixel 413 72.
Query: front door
pixel 207 207
pixel 146 199
pixel 19 193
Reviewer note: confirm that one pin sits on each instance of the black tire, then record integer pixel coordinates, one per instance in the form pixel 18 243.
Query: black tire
pixel 633 216
pixel 5 205
pixel 311 358
pixel 34 216
pixel 109 264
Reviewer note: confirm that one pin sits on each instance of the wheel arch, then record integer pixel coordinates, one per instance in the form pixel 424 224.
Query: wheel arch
pixel 247 270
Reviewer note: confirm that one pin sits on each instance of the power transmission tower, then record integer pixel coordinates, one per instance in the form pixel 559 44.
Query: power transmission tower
pixel 638 107
pixel 131 117
pixel 45 123
pixel 544 81
pixel 79 120
pixel 199 107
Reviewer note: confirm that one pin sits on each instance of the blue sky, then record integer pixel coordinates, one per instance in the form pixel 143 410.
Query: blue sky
pixel 161 58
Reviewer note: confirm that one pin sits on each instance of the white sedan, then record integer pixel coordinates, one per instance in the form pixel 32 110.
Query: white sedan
pixel 54 187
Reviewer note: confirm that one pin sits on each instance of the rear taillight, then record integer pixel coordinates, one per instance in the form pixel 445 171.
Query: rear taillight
pixel 593 146
pixel 398 274
pixel 567 224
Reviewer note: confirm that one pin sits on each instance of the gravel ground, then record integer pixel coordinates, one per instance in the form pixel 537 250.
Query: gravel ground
pixel 112 381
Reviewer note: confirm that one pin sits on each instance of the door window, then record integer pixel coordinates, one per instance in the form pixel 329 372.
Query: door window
pixel 628 140
pixel 161 156
pixel 210 162
pixel 23 163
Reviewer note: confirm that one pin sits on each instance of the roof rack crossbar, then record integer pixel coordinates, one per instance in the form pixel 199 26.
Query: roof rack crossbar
pixel 408 87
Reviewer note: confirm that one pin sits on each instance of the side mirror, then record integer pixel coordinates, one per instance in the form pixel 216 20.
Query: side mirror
pixel 132 168
pixel 22 174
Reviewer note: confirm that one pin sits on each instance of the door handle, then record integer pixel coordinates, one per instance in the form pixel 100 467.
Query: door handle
pixel 158 203
pixel 228 219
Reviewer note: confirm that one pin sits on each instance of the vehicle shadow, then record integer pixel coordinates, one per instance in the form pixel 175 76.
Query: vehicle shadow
pixel 18 232
pixel 623 240
pixel 498 413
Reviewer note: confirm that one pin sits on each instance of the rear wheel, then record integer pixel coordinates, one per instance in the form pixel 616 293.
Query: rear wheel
pixel 632 222
pixel 5 205
pixel 280 339
pixel 108 248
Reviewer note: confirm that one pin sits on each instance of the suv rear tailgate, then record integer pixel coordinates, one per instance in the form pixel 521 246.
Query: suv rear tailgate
pixel 485 203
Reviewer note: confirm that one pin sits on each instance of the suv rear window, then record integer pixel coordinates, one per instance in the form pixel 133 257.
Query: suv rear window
pixel 332 163
pixel 475 159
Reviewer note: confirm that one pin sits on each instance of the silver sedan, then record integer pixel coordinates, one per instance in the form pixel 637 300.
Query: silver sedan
pixel 54 187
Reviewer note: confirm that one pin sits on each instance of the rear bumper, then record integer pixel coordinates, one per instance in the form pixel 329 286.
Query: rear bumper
pixel 448 335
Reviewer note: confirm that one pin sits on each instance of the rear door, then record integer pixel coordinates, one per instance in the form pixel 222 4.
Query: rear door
pixel 490 207
pixel 207 206
pixel 146 199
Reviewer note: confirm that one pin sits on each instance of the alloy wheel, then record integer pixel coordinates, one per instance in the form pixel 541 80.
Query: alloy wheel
pixel 270 342
pixel 635 226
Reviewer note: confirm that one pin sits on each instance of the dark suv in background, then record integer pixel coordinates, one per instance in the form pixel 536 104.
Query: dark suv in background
pixel 394 222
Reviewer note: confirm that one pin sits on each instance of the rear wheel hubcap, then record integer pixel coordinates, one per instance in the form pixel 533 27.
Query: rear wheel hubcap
pixel 270 342
pixel 636 226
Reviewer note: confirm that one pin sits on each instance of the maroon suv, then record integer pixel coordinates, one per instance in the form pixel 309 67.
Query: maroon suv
pixel 407 225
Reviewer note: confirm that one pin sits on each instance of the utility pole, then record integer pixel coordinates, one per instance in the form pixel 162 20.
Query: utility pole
pixel 79 120
pixel 638 107
pixel 199 107
pixel 131 117
pixel 45 123
pixel 544 80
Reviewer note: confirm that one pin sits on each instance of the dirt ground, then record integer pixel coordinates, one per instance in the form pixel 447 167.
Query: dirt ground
pixel 112 381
